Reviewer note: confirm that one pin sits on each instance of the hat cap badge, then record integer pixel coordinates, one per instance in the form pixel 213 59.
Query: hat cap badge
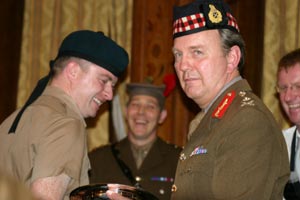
pixel 214 14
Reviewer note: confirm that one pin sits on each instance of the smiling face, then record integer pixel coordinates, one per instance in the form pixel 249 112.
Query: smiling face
pixel 143 115
pixel 202 66
pixel 90 87
pixel 289 92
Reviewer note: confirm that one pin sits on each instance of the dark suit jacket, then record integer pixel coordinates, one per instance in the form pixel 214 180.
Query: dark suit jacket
pixel 240 155
pixel 160 162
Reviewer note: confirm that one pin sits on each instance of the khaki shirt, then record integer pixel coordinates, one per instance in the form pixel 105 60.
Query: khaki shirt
pixel 50 140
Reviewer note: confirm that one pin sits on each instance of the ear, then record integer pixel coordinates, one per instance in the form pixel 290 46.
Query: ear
pixel 163 115
pixel 233 58
pixel 72 69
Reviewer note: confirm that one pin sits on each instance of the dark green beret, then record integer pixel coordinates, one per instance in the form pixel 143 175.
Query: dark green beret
pixel 89 45
pixel 96 48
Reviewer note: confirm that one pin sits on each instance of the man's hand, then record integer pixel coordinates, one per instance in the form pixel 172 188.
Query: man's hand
pixel 112 192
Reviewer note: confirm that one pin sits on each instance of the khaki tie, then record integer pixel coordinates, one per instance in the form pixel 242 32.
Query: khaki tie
pixel 140 157
pixel 140 153
pixel 194 123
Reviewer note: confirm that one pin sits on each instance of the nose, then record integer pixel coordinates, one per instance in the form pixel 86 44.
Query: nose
pixel 289 94
pixel 108 92
pixel 182 64
pixel 141 109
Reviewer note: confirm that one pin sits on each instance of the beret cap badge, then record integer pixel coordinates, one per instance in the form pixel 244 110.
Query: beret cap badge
pixel 214 15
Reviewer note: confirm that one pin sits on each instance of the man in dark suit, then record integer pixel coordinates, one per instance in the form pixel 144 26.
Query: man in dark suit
pixel 288 88
pixel 142 158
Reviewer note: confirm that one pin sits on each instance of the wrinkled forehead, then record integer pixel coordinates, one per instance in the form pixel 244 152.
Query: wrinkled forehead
pixel 294 68
pixel 289 74
pixel 199 38
pixel 144 98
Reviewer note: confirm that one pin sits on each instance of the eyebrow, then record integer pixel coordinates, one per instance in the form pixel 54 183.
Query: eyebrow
pixel 190 47
pixel 109 77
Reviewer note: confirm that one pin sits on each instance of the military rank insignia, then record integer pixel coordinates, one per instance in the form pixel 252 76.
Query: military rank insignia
pixel 247 101
pixel 223 106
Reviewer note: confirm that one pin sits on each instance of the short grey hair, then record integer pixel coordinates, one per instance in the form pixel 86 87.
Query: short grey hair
pixel 229 39
pixel 61 63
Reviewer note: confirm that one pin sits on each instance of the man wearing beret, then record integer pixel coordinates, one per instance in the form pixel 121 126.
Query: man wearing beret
pixel 235 150
pixel 142 158
pixel 44 143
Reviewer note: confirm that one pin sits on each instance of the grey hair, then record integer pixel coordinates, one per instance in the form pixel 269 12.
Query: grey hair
pixel 61 63
pixel 229 39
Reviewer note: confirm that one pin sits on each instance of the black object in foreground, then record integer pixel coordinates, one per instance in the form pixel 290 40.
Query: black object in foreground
pixel 98 192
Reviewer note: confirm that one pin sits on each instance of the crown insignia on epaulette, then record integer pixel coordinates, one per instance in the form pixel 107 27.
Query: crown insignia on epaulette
pixel 214 15
pixel 247 101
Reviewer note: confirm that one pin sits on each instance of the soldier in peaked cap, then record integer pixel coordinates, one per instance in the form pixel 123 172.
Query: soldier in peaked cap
pixel 44 143
pixel 142 158
pixel 235 148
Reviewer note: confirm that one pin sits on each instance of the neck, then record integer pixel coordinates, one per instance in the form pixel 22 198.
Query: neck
pixel 139 143
pixel 61 83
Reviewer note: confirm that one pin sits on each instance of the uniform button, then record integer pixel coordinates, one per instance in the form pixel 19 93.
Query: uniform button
pixel 161 191
pixel 138 179
pixel 182 156
pixel 174 188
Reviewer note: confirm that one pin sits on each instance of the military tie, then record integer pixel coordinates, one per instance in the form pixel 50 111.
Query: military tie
pixel 140 153
pixel 140 158
pixel 297 157
pixel 194 123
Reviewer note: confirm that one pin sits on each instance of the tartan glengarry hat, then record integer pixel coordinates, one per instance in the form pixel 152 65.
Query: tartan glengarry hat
pixel 202 15
pixel 147 89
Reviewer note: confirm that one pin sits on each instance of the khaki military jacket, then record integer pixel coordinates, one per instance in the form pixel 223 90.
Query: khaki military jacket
pixel 156 174
pixel 237 152
pixel 49 140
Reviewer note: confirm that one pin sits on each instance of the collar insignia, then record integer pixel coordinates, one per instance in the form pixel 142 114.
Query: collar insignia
pixel 225 103
pixel 182 157
pixel 247 101
pixel 214 14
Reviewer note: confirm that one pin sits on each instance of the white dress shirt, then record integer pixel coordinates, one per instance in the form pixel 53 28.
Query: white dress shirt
pixel 288 136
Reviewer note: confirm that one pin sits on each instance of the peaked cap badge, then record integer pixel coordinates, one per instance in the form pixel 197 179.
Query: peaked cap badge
pixel 214 15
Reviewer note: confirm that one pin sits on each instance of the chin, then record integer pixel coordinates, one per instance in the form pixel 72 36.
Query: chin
pixel 91 115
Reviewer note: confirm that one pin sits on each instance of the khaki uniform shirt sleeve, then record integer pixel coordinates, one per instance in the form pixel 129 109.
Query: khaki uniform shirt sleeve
pixel 61 150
